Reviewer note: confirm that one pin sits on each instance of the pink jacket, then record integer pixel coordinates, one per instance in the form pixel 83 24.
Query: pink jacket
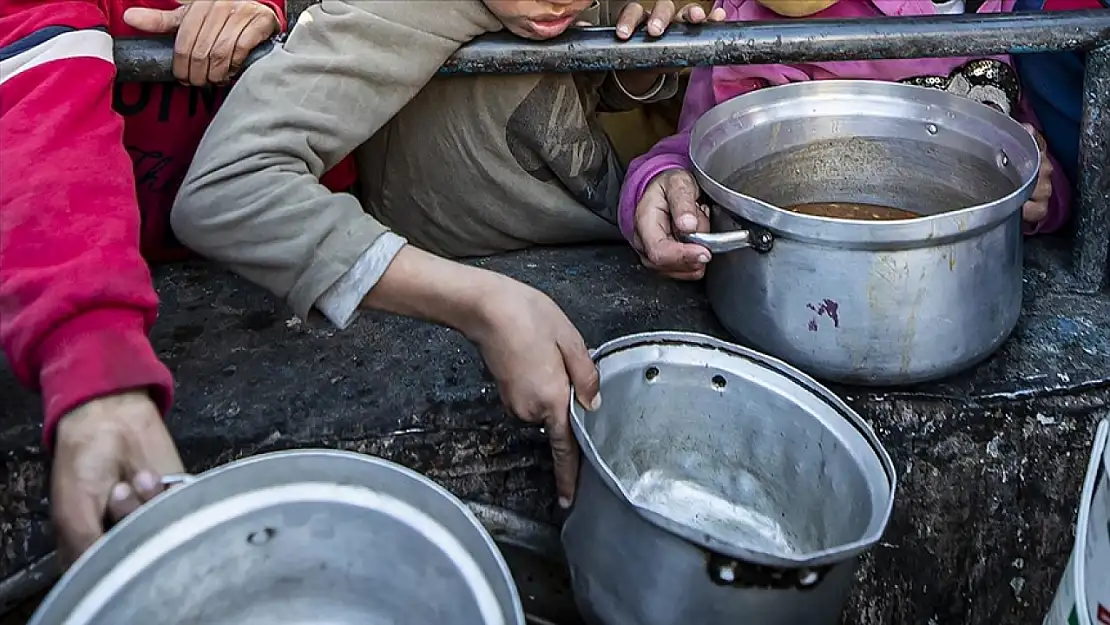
pixel 710 86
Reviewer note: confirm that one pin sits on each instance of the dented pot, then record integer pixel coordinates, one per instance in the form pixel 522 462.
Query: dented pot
pixel 865 302
pixel 305 536
pixel 719 485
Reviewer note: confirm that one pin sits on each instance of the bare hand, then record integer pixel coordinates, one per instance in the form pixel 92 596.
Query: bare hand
pixel 536 354
pixel 214 37
pixel 669 207
pixel 1036 208
pixel 109 458
pixel 662 15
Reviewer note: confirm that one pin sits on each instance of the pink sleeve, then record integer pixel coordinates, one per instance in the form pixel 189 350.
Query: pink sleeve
pixel 1059 205
pixel 670 153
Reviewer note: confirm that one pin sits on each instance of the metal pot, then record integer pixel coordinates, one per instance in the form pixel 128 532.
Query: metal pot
pixel 865 302
pixel 292 537
pixel 719 485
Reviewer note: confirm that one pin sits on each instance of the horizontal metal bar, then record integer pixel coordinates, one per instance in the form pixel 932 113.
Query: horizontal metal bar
pixel 785 41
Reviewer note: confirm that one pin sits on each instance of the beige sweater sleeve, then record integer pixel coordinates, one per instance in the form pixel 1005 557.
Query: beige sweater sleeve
pixel 252 197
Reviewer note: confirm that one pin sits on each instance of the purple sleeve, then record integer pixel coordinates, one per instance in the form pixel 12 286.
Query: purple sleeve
pixel 670 153
pixel 1059 205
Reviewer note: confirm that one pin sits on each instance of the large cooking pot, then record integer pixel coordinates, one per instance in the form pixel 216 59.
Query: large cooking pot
pixel 719 485
pixel 292 537
pixel 865 302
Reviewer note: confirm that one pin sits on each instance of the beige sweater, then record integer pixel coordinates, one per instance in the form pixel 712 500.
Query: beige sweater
pixel 463 166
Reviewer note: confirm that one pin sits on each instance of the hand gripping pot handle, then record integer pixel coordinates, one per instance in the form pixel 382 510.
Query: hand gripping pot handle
pixel 757 239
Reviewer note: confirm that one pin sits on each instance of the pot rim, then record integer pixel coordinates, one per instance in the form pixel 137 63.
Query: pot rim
pixel 936 228
pixel 879 518
pixel 139 529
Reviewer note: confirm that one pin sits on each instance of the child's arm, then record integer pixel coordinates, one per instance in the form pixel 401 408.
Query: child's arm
pixel 252 197
pixel 670 153
pixel 76 300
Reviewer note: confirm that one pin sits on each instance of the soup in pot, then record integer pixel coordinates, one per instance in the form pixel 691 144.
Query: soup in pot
pixel 850 210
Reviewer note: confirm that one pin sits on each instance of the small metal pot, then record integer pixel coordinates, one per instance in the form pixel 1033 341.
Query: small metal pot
pixel 719 485
pixel 865 302
pixel 307 536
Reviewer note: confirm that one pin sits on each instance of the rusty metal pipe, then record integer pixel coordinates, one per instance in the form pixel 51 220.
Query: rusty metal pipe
pixel 787 41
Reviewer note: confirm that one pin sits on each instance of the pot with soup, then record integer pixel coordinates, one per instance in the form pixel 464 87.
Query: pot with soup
pixel 866 232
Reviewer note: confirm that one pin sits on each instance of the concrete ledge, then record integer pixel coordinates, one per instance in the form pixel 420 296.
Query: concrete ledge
pixel 990 461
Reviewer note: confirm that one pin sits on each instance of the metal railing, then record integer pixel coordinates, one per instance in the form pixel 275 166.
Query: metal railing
pixel 596 49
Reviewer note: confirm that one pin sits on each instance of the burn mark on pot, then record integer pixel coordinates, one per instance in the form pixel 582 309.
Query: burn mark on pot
pixel 827 308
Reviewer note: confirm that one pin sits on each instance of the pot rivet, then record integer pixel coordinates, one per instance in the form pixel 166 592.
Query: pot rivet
pixel 727 573
pixel 719 382
pixel 261 537
pixel 1003 159
pixel 807 578
pixel 651 373
pixel 931 128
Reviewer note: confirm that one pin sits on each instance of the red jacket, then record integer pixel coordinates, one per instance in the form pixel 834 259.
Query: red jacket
pixel 76 301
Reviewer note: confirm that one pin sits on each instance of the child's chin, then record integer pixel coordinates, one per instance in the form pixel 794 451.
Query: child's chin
pixel 796 8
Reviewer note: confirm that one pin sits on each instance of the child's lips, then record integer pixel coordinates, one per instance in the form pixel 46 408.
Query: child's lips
pixel 551 28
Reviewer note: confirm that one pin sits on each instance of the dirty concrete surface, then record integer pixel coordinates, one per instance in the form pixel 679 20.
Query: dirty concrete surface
pixel 990 461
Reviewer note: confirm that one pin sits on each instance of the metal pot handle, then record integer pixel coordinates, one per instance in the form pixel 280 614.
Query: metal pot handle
pixel 757 239
pixel 719 242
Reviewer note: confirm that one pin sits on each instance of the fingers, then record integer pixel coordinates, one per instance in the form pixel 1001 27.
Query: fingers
pixel 581 371
pixel 123 500
pixel 629 20
pixel 214 39
pixel 692 13
pixel 662 14
pixel 668 207
pixel 717 15
pixel 564 453
pixel 1034 212
pixel 242 39
pixel 78 511
pixel 155 21
pixel 202 26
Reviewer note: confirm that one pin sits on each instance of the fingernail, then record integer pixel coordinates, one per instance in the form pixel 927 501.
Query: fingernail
pixel 703 258
pixel 145 481
pixel 120 492
pixel 657 25
pixel 595 403
pixel 564 503
pixel 688 222
pixel 623 31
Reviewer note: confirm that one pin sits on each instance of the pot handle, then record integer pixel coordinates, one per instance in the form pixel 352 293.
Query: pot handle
pixel 754 238
pixel 719 242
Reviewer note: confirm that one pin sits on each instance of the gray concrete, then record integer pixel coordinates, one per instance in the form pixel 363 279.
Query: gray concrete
pixel 990 461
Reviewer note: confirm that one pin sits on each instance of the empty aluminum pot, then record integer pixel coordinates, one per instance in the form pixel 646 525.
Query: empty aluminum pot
pixel 307 536
pixel 719 485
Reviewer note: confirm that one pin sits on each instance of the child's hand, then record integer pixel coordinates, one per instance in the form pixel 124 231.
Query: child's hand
pixel 1036 208
pixel 662 15
pixel 213 38
pixel 669 207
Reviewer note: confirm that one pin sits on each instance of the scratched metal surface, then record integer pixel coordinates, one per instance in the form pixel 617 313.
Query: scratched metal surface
pixel 990 461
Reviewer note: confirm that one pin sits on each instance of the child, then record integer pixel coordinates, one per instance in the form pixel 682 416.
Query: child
pixel 82 192
pixel 659 194
pixel 1053 84
pixel 458 166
